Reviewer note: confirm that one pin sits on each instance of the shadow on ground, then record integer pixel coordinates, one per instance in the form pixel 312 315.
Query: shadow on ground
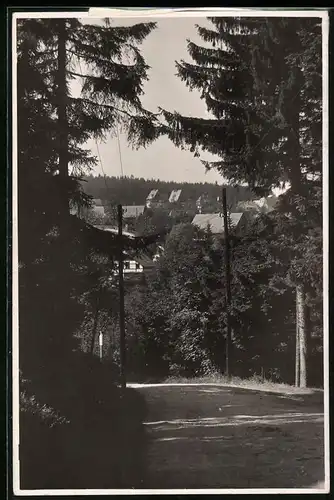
pixel 103 445
pixel 216 437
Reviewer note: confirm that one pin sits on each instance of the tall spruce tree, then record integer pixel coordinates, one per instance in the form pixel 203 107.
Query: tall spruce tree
pixel 108 67
pixel 296 99
pixel 53 128
pixel 261 82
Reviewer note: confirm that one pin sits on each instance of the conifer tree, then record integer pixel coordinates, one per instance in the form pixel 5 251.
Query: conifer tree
pixel 53 128
pixel 261 82
pixel 106 63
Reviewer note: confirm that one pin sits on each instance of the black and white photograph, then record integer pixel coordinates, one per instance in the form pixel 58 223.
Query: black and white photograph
pixel 170 251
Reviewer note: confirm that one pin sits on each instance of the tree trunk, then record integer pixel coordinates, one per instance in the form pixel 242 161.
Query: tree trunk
pixel 296 180
pixel 297 362
pixel 228 287
pixel 62 117
pixel 300 305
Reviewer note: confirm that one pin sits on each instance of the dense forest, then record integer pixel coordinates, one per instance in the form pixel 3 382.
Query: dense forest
pixel 134 191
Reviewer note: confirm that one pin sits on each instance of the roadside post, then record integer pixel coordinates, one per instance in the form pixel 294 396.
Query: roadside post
pixel 121 297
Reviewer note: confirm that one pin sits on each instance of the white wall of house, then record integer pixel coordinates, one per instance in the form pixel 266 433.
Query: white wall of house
pixel 98 210
pixel 131 266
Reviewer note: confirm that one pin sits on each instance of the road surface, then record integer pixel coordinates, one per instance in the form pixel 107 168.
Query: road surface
pixel 209 436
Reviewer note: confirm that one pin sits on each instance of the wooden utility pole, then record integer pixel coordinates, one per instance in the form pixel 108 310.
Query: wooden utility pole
pixel 301 338
pixel 227 286
pixel 62 116
pixel 297 361
pixel 121 297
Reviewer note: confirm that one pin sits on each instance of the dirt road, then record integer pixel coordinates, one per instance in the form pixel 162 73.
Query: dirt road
pixel 220 437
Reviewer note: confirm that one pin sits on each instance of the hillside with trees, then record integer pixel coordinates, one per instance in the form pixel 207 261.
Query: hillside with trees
pixel 134 191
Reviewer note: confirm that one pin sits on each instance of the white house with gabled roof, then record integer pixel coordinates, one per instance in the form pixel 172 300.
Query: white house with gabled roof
pixel 216 222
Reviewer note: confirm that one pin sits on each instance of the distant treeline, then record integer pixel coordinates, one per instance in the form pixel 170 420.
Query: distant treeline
pixel 134 191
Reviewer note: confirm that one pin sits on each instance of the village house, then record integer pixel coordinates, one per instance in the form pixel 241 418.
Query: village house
pixel 114 230
pixel 262 205
pixel 238 221
pixel 151 198
pixel 97 209
pixel 207 204
pixel 135 264
pixel 133 211
pixel 201 202
pixel 136 267
pixel 175 195
pixel 157 199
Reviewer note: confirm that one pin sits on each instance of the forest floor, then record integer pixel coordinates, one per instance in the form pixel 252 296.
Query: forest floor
pixel 207 436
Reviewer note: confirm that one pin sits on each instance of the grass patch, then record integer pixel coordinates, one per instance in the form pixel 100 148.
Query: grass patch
pixel 254 383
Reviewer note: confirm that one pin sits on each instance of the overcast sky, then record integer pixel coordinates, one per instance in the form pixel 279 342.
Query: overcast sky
pixel 162 159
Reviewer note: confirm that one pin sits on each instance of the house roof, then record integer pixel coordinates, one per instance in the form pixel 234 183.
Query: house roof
pixel 152 194
pixel 144 260
pixel 132 240
pixel 266 204
pixel 247 205
pixel 175 195
pixel 215 221
pixel 114 230
pixel 132 210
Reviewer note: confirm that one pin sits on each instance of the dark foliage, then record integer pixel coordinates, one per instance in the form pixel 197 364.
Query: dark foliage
pixel 63 266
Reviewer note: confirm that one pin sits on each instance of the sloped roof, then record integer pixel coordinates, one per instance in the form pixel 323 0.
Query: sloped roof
pixel 175 195
pixel 144 260
pixel 104 239
pixel 247 205
pixel 132 210
pixel 152 194
pixel 97 202
pixel 215 221
pixel 114 230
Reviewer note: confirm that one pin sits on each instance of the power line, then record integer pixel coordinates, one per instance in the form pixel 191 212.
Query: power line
pixel 119 151
pixel 118 141
pixel 97 146
pixel 104 175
